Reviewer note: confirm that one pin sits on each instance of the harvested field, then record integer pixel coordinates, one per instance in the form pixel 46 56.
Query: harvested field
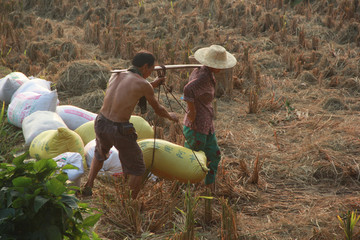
pixel 289 131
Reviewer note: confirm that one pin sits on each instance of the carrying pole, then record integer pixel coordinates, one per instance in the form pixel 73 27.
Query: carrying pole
pixel 166 67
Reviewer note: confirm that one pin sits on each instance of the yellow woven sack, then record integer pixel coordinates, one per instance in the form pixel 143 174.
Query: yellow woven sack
pixel 174 162
pixel 87 132
pixel 52 143
pixel 142 127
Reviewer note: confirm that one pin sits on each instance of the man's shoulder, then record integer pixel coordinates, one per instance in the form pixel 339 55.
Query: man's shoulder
pixel 139 81
pixel 132 76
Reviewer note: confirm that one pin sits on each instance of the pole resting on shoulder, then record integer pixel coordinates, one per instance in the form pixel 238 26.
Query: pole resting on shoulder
pixel 178 66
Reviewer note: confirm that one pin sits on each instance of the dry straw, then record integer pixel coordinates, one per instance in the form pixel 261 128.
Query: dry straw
pixel 80 77
pixel 91 101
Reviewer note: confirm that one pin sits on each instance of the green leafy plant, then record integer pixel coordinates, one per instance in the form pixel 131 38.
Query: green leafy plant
pixel 228 221
pixel 2 112
pixel 191 203
pixel 348 223
pixel 293 3
pixel 7 54
pixel 290 111
pixel 36 203
pixel 141 3
pixel 9 136
pixel 288 106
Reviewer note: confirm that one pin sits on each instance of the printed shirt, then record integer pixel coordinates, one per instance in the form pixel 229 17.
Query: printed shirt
pixel 201 91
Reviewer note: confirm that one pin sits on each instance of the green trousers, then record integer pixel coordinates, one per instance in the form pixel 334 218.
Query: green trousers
pixel 208 144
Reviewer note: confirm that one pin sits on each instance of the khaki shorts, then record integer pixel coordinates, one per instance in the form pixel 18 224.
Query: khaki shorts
pixel 123 136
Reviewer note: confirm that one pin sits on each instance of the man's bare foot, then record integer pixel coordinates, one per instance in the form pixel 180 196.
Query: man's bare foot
pixel 85 191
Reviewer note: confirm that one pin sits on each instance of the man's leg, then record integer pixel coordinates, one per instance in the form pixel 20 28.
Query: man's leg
pixel 135 185
pixel 96 165
pixel 137 164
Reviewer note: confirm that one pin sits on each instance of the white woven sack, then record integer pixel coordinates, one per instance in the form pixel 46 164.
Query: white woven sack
pixel 9 84
pixel 36 85
pixel 38 122
pixel 74 116
pixel 29 102
pixel 74 159
pixel 111 165
pixel 37 79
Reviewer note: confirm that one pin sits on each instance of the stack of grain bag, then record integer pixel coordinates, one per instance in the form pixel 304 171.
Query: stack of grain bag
pixel 64 133
pixel 32 106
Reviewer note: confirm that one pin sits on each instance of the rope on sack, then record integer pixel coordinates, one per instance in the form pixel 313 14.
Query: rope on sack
pixel 169 89
pixel 148 171
pixel 162 73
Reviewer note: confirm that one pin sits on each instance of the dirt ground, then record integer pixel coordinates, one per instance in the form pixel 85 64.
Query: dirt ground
pixel 289 132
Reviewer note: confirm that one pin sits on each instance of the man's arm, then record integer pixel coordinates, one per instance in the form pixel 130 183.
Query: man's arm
pixel 157 82
pixel 159 109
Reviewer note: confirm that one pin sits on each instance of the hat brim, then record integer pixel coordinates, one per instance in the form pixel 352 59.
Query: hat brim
pixel 200 56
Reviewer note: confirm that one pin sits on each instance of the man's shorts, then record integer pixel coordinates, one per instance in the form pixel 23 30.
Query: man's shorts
pixel 123 136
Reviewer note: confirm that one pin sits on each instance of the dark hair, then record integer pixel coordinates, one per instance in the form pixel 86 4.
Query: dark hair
pixel 143 57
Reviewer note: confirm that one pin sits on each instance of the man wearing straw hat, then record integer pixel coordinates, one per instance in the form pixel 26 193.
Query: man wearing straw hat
pixel 199 93
pixel 112 125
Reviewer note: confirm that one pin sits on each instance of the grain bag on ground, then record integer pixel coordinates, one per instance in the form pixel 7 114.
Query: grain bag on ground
pixel 173 162
pixel 9 84
pixel 52 143
pixel 36 85
pixel 74 116
pixel 74 159
pixel 27 103
pixel 86 132
pixel 111 165
pixel 38 122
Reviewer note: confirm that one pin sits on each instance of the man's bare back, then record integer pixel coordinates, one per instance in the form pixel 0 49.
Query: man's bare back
pixel 122 94
pixel 124 91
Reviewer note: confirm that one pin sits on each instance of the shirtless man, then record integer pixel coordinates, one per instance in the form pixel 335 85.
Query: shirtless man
pixel 112 125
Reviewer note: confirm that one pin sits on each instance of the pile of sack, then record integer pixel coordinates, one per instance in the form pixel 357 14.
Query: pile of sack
pixel 66 134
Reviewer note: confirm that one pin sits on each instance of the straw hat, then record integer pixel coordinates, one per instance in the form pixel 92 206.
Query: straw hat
pixel 215 56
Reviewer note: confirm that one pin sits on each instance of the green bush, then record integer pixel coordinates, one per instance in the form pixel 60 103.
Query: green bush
pixel 347 223
pixel 35 203
pixel 10 136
